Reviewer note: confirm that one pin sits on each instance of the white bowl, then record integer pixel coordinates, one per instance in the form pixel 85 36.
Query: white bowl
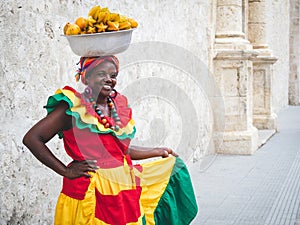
pixel 100 44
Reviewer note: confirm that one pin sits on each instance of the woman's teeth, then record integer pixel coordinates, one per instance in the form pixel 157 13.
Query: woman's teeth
pixel 107 86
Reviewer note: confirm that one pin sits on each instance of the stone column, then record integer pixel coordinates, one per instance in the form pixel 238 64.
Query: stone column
pixel 263 115
pixel 294 79
pixel 233 72
pixel 230 25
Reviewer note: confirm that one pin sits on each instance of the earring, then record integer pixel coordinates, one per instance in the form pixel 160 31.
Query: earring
pixel 113 93
pixel 88 92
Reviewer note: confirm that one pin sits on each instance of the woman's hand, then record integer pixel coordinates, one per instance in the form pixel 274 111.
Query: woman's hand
pixel 80 169
pixel 137 152
pixel 165 152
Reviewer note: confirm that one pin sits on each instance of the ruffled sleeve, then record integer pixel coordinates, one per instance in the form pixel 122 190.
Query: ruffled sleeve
pixel 86 118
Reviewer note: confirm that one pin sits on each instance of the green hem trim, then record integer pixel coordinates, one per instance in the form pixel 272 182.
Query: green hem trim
pixel 144 220
pixel 177 204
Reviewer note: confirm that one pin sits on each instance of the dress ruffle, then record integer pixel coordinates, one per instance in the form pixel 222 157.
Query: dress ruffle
pixel 86 117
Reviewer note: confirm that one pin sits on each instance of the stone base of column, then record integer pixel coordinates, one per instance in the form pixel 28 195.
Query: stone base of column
pixel 239 142
pixel 265 122
pixel 230 43
pixel 263 116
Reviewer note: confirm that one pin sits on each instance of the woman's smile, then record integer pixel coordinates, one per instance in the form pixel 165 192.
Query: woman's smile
pixel 107 87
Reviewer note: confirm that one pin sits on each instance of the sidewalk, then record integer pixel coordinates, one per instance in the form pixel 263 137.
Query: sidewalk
pixel 262 189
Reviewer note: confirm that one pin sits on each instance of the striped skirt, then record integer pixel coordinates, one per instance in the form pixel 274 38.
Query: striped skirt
pixel 159 192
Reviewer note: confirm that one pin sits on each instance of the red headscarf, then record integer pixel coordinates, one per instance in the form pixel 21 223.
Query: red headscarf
pixel 88 63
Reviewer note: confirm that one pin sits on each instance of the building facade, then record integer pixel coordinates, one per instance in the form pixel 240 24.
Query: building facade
pixel 202 77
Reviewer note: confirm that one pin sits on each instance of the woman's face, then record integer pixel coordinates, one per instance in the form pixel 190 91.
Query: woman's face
pixel 102 79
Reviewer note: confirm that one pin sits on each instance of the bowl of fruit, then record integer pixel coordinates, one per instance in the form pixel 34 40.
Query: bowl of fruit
pixel 101 33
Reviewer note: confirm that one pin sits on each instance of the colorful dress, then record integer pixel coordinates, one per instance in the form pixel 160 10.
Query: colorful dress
pixel 119 193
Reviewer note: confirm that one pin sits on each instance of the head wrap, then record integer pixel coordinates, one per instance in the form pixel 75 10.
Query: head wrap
pixel 89 63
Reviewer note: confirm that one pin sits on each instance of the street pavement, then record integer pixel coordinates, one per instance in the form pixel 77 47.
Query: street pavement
pixel 261 189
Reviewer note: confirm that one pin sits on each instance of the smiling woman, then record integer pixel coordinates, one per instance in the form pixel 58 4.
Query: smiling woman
pixel 100 76
pixel 101 185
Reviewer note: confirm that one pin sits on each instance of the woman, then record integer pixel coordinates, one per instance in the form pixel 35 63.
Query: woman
pixel 101 185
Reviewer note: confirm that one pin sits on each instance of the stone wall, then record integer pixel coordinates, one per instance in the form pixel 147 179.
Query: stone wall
pixel 36 60
pixel 166 74
pixel 294 82
pixel 278 41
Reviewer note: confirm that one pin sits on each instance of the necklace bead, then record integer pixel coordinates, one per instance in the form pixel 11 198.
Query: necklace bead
pixel 113 112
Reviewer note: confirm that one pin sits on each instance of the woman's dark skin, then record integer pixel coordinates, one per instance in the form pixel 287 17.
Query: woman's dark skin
pixel 102 79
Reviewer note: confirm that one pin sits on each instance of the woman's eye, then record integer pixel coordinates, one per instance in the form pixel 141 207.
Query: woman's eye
pixel 101 74
pixel 113 75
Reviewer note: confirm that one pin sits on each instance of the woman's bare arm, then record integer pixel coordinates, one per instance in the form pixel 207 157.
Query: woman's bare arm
pixel 137 152
pixel 37 137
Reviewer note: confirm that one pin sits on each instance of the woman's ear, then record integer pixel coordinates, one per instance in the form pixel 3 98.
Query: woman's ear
pixel 86 80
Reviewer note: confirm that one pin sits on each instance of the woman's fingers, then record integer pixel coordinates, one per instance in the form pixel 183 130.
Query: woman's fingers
pixel 166 154
pixel 174 153
pixel 168 151
pixel 87 175
pixel 91 162
pixel 81 168
pixel 91 165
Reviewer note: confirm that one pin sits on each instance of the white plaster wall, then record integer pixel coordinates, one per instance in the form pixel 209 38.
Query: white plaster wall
pixel 294 82
pixel 35 60
pixel 296 21
pixel 278 41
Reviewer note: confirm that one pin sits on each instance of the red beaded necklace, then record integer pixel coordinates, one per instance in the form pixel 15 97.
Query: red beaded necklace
pixel 111 107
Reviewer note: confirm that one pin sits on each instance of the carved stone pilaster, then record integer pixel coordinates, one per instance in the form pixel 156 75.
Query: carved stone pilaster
pixel 229 17
pixel 230 26
pixel 263 114
pixel 294 78
pixel 233 72
pixel 257 24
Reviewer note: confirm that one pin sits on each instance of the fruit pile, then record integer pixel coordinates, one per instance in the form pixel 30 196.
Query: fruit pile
pixel 99 20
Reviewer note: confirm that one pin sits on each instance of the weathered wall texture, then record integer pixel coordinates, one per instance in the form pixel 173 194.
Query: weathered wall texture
pixel 278 41
pixel 36 60
pixel 171 104
pixel 294 82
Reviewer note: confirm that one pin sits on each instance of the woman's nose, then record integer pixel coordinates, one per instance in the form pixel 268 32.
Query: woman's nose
pixel 107 77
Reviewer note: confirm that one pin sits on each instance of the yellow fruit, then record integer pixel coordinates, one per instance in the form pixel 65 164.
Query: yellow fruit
pixel 73 29
pixel 107 17
pixel 112 26
pixel 66 27
pixel 133 23
pixel 123 18
pixel 105 10
pixel 94 10
pixel 99 20
pixel 91 30
pixel 101 27
pixel 91 21
pixel 81 22
pixel 114 17
pixel 124 25
pixel 101 16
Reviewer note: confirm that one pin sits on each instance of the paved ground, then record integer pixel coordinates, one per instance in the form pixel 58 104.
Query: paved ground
pixel 262 189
